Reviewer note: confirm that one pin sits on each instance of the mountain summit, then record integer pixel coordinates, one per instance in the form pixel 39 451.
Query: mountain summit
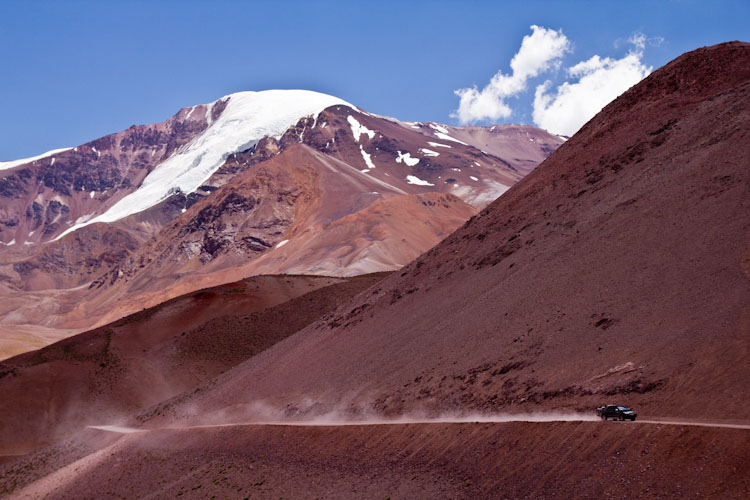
pixel 280 181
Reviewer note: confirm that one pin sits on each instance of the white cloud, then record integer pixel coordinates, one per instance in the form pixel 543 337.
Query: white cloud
pixel 638 40
pixel 539 52
pixel 599 81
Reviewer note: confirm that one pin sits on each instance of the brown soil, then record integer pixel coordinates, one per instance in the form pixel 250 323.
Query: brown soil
pixel 472 461
pixel 105 374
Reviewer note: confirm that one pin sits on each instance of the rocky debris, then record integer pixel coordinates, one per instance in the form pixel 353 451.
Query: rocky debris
pixel 34 213
pixel 15 183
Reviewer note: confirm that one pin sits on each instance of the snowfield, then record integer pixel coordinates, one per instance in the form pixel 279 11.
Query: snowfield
pixel 248 117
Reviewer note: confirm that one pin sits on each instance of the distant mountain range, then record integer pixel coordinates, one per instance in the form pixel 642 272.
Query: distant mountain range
pixel 281 181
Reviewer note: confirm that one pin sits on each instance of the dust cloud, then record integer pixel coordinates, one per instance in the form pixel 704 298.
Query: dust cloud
pixel 262 414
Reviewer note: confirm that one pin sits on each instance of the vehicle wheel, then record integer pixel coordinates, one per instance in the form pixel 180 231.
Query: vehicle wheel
pixel 632 419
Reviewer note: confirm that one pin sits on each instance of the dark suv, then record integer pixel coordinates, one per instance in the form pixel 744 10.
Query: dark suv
pixel 616 412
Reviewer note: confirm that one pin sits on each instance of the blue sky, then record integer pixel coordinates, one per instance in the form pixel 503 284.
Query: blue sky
pixel 73 71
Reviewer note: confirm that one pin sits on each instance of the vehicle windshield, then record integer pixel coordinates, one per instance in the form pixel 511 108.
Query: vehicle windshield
pixel 623 408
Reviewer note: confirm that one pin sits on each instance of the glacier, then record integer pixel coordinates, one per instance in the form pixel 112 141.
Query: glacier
pixel 248 117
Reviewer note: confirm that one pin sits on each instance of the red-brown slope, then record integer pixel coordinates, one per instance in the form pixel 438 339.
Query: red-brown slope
pixel 617 271
pixel 522 146
pixel 335 219
pixel 416 461
pixel 107 373
pixel 385 235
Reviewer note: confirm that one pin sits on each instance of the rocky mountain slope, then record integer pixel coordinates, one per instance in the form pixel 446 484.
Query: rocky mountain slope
pixel 254 183
pixel 616 271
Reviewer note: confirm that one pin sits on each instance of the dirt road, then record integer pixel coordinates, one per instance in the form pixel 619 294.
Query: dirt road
pixel 325 421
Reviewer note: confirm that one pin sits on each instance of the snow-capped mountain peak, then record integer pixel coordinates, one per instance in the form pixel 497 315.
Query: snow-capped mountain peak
pixel 247 118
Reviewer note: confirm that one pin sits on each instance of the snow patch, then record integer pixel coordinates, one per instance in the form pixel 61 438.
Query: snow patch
pixel 438 145
pixel 439 128
pixel 429 152
pixel 187 117
pixel 477 164
pixel 91 194
pixel 366 157
pixel 446 137
pixel 281 243
pixel 406 158
pixel 247 118
pixel 359 129
pixel 411 179
pixel 442 133
pixel 4 165
pixel 473 178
